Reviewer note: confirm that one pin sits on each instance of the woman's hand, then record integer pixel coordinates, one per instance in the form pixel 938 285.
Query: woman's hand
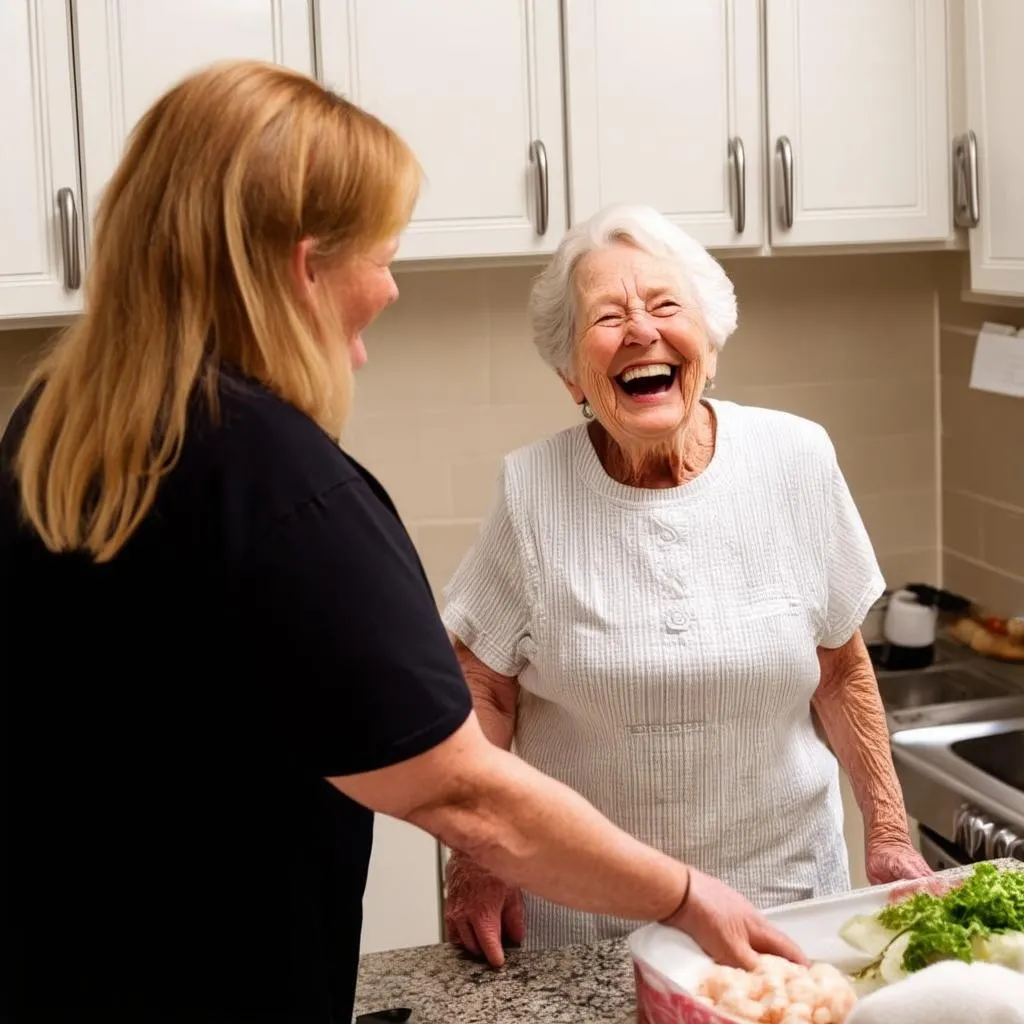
pixel 481 912
pixel 894 861
pixel 727 927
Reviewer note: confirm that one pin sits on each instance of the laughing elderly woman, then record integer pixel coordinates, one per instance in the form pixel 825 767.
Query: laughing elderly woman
pixel 661 595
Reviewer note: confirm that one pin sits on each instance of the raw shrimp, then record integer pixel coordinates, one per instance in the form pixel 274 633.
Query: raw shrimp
pixel 779 992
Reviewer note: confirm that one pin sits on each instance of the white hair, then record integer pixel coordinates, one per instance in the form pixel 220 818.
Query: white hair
pixel 553 301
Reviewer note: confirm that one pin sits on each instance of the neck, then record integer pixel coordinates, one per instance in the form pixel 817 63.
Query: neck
pixel 667 463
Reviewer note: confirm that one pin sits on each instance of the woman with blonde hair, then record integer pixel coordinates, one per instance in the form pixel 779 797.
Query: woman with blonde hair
pixel 222 655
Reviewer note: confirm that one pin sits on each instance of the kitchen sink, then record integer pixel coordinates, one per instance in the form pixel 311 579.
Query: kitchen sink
pixel 1000 754
pixel 947 685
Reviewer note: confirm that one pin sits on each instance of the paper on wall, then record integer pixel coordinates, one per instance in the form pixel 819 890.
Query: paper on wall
pixel 999 360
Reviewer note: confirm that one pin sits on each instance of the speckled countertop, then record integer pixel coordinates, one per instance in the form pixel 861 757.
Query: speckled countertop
pixel 572 985
pixel 552 986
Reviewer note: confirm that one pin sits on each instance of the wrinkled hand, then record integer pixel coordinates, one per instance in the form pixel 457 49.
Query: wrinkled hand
pixel 481 912
pixel 727 927
pixel 894 861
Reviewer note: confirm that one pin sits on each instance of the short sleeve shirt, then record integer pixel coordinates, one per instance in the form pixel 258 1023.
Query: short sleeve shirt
pixel 665 642
pixel 172 849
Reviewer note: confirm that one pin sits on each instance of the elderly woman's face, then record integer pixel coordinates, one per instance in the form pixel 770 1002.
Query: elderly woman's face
pixel 641 353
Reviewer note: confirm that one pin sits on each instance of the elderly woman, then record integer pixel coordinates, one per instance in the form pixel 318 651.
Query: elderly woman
pixel 660 596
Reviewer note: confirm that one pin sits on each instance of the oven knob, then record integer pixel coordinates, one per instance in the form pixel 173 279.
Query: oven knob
pixel 1000 843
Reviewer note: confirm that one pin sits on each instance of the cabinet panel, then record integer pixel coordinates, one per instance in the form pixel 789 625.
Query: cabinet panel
pixel 471 86
pixel 40 159
pixel 995 94
pixel 132 51
pixel 858 88
pixel 656 92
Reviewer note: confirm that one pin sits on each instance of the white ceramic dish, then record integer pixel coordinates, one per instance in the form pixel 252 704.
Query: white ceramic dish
pixel 669 965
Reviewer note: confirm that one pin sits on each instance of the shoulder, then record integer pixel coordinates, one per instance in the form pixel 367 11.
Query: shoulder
pixel 779 437
pixel 261 456
pixel 540 463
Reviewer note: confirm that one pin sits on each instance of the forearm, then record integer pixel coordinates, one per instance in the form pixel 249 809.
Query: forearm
pixel 851 711
pixel 495 697
pixel 535 833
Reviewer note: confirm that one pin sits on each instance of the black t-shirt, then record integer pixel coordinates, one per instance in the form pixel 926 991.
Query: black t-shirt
pixel 171 850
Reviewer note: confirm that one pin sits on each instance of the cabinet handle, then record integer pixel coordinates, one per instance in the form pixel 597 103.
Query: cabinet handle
pixel 967 211
pixel 738 159
pixel 67 209
pixel 784 151
pixel 539 159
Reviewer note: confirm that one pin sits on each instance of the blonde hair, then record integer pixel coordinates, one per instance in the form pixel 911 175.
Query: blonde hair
pixel 552 299
pixel 192 268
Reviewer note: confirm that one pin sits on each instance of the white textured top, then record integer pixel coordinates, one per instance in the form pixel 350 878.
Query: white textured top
pixel 665 644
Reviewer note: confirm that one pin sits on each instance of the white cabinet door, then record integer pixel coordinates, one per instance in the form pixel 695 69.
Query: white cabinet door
pixel 995 107
pixel 38 254
pixel 858 136
pixel 402 905
pixel 131 51
pixel 658 93
pixel 472 85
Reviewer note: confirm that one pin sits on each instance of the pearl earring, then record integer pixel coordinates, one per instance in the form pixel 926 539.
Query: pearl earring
pixel 709 384
pixel 588 413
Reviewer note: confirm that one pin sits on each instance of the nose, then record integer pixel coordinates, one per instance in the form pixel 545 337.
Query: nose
pixel 641 328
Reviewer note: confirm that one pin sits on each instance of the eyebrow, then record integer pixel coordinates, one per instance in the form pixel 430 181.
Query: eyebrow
pixel 655 291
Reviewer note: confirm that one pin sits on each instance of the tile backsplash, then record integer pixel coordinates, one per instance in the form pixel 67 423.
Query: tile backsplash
pixel 453 383
pixel 982 461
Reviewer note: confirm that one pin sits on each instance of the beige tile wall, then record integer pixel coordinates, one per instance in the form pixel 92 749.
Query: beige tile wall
pixel 453 383
pixel 982 459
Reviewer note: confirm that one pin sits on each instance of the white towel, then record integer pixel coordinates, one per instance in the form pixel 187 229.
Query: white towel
pixel 947 993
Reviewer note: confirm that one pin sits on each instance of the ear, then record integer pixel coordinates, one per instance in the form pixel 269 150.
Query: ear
pixel 577 395
pixel 303 270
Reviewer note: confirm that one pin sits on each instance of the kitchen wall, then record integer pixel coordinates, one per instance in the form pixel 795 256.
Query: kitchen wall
pixel 453 383
pixel 982 459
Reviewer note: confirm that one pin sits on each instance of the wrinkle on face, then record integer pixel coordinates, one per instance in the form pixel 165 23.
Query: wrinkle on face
pixel 632 308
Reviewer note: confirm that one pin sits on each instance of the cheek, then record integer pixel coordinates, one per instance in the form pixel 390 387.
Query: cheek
pixel 596 353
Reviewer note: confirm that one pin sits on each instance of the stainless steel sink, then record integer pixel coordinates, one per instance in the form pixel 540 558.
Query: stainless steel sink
pixel 1001 754
pixel 940 685
pixel 945 754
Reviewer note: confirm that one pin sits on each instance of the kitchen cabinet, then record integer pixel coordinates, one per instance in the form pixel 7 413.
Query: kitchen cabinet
pixel 131 51
pixel 476 90
pixel 857 121
pixel 40 199
pixel 664 108
pixel 992 173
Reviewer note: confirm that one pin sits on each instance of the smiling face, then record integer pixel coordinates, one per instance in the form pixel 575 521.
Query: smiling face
pixel 641 352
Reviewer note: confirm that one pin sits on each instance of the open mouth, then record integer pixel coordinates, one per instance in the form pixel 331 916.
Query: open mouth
pixel 641 381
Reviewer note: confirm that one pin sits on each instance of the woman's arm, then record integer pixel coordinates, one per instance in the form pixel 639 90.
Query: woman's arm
pixel 850 709
pixel 534 832
pixel 495 697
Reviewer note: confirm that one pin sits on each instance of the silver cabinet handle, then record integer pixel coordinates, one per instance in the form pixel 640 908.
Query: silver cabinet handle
pixel 738 159
pixel 967 211
pixel 67 209
pixel 784 151
pixel 539 159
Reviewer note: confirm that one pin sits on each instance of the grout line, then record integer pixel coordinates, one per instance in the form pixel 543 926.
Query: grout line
pixel 1006 506
pixel 977 562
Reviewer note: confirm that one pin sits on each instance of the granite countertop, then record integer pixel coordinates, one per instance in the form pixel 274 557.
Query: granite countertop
pixel 585 984
pixel 551 986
